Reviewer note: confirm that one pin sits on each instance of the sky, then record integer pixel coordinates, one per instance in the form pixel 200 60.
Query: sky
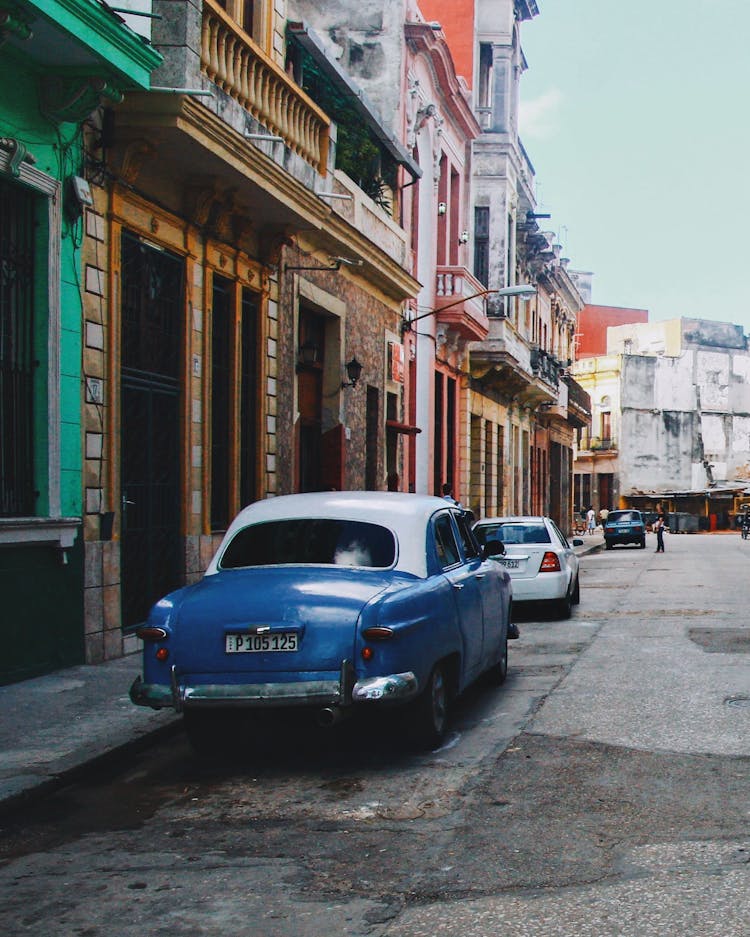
pixel 635 116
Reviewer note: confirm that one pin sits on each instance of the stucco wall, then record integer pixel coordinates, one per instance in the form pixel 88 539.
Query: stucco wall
pixel 367 40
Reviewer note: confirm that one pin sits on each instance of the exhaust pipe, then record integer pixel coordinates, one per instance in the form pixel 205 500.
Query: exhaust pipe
pixel 330 715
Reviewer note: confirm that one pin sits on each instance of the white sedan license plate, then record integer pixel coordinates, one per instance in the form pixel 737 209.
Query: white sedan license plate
pixel 510 564
pixel 261 643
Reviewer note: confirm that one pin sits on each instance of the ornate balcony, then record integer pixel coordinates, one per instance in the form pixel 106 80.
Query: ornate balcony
pixel 231 60
pixel 504 362
pixel 459 301
pixel 579 403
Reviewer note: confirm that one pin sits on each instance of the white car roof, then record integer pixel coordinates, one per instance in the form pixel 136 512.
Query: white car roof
pixel 405 514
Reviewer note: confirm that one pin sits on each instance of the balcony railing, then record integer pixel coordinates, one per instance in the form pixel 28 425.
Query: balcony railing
pixel 231 60
pixel 545 366
pixel 597 443
pixel 578 396
pixel 459 298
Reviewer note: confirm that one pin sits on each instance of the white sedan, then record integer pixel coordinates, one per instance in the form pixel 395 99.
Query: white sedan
pixel 542 564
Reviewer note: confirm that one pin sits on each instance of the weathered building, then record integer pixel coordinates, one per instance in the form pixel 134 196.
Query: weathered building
pixel 249 278
pixel 405 66
pixel 673 403
pixel 523 418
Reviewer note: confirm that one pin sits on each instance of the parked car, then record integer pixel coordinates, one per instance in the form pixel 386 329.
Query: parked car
pixel 625 527
pixel 542 564
pixel 337 602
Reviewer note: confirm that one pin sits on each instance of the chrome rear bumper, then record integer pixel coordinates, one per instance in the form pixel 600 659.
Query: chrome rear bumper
pixel 392 688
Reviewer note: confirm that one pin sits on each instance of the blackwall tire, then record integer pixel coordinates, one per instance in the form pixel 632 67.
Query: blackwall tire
pixel 429 712
pixel 499 671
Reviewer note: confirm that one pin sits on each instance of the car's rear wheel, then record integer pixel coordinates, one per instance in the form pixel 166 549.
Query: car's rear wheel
pixel 564 606
pixel 609 545
pixel 576 598
pixel 429 712
pixel 642 543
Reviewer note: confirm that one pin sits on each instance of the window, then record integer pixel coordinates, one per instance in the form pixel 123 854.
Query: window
pixel 233 400
pixel 48 454
pixel 247 14
pixel 468 541
pixel 311 541
pixel 221 341
pixel 17 354
pixel 248 398
pixel 482 245
pixel 513 533
pixel 445 542
pixel 484 93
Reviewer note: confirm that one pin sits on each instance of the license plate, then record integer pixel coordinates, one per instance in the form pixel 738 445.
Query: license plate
pixel 509 564
pixel 261 643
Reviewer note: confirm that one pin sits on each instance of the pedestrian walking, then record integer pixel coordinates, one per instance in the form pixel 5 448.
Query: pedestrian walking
pixel 590 520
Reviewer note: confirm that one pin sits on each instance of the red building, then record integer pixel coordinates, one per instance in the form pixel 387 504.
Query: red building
pixel 593 322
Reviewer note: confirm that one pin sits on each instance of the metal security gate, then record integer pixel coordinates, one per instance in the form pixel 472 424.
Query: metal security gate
pixel 17 357
pixel 151 354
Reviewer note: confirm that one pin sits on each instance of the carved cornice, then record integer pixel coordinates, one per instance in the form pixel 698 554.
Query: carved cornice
pixel 426 41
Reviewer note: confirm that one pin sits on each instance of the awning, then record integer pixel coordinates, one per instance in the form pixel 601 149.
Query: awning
pixel 313 45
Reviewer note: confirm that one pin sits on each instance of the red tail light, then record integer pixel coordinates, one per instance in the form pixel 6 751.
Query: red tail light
pixel 377 633
pixel 550 563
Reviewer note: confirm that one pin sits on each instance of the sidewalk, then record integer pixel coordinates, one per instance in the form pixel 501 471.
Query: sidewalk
pixel 590 541
pixel 53 726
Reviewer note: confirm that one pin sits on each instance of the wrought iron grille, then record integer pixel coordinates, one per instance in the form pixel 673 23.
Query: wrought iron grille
pixel 16 351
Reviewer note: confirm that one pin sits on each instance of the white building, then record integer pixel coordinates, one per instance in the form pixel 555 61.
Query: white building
pixel 671 418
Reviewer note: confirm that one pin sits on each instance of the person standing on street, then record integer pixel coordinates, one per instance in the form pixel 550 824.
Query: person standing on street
pixel 659 524
pixel 448 494
pixel 590 520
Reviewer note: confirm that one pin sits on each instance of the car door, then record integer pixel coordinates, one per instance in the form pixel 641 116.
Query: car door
pixel 467 596
pixel 490 580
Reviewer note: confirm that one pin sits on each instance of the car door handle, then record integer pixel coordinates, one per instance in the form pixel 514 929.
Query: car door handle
pixel 458 585
pixel 480 575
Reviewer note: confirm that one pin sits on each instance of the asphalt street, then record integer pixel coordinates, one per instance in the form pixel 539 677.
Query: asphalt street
pixel 602 791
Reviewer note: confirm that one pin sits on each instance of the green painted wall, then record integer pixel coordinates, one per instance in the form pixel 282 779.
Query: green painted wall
pixel 41 627
pixel 42 620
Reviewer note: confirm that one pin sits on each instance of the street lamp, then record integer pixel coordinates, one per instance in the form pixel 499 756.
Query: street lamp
pixel 526 290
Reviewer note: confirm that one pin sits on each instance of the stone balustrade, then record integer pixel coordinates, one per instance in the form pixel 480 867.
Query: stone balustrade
pixel 231 60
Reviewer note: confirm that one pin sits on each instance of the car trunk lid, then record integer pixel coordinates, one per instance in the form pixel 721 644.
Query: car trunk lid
pixel 273 620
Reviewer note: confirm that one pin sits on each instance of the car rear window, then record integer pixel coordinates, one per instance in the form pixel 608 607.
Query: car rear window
pixel 311 541
pixel 513 533
pixel 621 516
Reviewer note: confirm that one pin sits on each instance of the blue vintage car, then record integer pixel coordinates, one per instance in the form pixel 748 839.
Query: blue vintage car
pixel 340 601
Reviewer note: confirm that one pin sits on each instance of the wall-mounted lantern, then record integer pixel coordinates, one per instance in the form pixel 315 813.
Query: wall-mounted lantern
pixel 307 354
pixel 353 372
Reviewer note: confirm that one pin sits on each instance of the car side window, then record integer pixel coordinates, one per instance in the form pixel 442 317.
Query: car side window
pixel 445 542
pixel 468 541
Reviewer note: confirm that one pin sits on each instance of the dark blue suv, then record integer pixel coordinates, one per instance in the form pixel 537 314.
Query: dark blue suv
pixel 625 527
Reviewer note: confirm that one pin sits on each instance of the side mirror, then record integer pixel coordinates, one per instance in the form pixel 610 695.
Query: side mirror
pixel 493 548
pixel 577 542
